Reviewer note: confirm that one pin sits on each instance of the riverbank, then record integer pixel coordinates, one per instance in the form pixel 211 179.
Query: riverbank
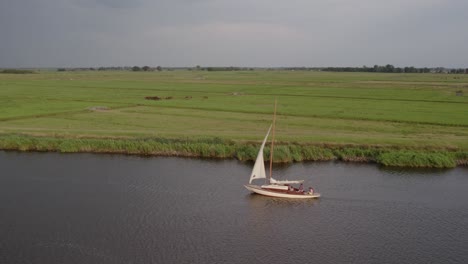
pixel 391 119
pixel 244 151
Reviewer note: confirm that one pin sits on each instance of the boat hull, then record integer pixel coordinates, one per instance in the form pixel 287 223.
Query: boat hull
pixel 280 194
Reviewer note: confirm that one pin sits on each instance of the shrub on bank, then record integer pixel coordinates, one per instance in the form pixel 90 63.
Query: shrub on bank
pixel 246 152
pixel 356 154
pixel 314 153
pixel 416 159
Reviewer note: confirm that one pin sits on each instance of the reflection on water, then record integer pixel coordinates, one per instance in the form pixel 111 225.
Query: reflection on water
pixel 415 171
pixel 84 208
pixel 261 201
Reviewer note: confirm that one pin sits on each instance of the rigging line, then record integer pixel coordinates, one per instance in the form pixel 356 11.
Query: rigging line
pixel 272 142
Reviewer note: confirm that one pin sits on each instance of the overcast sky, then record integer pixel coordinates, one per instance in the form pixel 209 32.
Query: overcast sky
pixel 265 33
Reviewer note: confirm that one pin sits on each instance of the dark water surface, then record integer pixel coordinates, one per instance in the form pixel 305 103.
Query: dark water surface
pixel 84 208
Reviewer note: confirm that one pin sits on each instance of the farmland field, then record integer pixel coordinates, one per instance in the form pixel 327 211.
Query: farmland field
pixel 403 111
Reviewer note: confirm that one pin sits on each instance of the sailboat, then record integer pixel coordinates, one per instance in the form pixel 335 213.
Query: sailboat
pixel 273 187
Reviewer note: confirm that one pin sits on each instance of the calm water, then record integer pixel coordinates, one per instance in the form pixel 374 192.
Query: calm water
pixel 84 208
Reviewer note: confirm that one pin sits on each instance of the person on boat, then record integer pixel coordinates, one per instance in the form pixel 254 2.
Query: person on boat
pixel 311 191
pixel 301 187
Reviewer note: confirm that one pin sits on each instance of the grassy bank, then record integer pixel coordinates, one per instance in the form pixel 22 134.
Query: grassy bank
pixel 219 148
pixel 321 116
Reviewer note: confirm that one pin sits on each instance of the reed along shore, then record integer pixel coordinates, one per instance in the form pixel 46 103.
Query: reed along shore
pixel 244 151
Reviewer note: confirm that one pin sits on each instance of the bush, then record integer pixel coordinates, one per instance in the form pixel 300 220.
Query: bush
pixel 416 159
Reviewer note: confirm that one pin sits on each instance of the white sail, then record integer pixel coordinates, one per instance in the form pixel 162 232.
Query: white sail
pixel 258 171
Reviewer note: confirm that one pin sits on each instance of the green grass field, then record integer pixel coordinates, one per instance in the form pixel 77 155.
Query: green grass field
pixel 417 112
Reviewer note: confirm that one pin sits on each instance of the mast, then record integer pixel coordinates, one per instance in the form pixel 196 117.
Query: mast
pixel 272 142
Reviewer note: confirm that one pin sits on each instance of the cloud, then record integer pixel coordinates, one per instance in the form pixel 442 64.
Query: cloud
pixel 125 4
pixel 53 33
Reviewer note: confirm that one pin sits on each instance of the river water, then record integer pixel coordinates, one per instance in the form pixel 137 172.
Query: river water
pixel 85 208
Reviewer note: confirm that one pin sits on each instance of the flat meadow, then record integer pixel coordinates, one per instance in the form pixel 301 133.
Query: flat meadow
pixel 370 113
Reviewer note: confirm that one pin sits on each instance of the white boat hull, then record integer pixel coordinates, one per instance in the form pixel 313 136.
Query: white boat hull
pixel 280 194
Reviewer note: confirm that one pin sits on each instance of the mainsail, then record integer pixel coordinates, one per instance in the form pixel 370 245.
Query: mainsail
pixel 258 171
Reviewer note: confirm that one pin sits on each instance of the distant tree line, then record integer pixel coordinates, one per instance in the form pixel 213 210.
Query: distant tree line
pixel 376 68
pixel 146 68
pixel 16 71
pixel 124 68
pixel 95 69
pixel 230 68
pixel 391 69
